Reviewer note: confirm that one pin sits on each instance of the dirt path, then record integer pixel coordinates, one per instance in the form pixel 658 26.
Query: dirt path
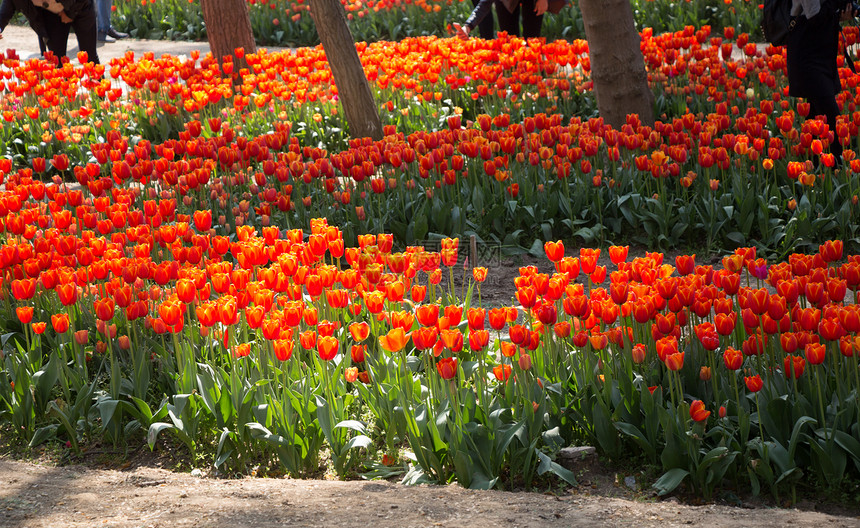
pixel 44 496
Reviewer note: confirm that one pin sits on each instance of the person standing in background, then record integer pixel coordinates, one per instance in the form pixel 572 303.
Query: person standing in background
pixel 107 33
pixel 811 52
pixel 487 26
pixel 508 12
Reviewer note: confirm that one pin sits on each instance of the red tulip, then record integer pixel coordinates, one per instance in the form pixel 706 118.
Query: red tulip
pixel 753 383
pixel 447 368
pixel 686 264
pixel 60 322
pixel 698 412
pixel 815 353
pixel 733 358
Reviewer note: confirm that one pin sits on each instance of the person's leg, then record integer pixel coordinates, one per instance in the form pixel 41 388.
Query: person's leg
pixel 827 107
pixel 103 15
pixel 58 33
pixel 508 21
pixel 487 26
pixel 531 22
pixel 86 31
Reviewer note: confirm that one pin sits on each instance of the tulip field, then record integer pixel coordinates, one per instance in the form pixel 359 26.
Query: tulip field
pixel 206 257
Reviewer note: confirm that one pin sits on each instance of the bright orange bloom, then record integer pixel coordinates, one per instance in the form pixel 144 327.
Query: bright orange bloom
pixel 327 347
pixel 554 250
pixel 359 331
pixel 675 361
pixel 25 314
pixel 618 254
pixel 733 358
pixel 425 337
pixel 308 339
pixel 394 340
pixel 283 349
pixel 502 372
pixel 478 339
pixel 479 274
pixel 350 374
pixel 475 316
pixel 452 339
pixel 427 314
pixel 39 328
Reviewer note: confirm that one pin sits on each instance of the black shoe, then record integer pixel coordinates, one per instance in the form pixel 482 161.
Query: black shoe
pixel 116 34
pixel 102 37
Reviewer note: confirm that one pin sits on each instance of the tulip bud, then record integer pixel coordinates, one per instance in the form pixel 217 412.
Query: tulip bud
pixel 705 373
pixel 525 361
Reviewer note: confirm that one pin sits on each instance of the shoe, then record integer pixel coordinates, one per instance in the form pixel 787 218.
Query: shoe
pixel 106 38
pixel 116 34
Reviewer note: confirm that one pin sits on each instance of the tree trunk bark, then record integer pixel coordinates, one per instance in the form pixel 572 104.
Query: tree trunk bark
pixel 228 26
pixel 354 93
pixel 617 65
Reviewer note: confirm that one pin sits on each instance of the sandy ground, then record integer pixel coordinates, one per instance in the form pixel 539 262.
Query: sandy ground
pixel 75 496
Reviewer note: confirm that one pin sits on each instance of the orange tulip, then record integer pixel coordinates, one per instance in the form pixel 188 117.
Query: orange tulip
pixel 327 347
pixel 554 250
pixel 675 361
pixel 25 314
pixel 60 322
pixel 283 349
pixel 502 372
pixel 394 340
pixel 478 339
pixel 359 331
pixel 452 339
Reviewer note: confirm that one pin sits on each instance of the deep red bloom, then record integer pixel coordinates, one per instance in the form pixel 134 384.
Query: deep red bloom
pixel 447 368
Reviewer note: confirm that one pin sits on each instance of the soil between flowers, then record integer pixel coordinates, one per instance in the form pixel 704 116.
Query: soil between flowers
pixel 36 495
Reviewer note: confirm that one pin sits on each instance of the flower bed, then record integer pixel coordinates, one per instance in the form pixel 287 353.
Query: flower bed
pixel 168 270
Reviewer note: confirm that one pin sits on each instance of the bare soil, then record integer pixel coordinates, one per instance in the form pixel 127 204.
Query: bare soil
pixel 132 495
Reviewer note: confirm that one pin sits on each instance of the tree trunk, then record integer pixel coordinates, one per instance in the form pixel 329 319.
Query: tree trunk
pixel 353 89
pixel 617 65
pixel 228 26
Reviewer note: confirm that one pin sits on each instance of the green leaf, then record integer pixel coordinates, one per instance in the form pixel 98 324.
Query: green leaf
pixel 355 425
pixel 670 480
pixel 546 464
pixel 357 441
pixel 43 434
pixel 638 437
pixel 154 430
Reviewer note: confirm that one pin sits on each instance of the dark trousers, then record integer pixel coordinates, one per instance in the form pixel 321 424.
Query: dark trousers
pixel 510 22
pixel 827 107
pixel 487 27
pixel 85 31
